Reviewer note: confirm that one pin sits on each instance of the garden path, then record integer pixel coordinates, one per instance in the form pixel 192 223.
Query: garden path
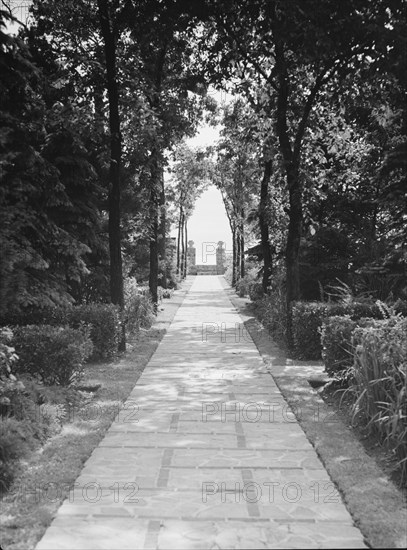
pixel 204 454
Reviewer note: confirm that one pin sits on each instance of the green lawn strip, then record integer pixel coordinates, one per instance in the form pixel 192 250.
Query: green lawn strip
pixel 47 476
pixel 377 505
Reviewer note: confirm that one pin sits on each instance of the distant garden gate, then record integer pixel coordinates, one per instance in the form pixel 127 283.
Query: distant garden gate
pixel 207 269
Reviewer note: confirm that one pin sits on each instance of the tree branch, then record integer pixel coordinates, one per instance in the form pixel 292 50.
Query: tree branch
pixel 250 59
pixel 13 17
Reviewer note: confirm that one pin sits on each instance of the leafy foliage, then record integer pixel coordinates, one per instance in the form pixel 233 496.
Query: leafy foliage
pixel 9 384
pixel 338 344
pixel 138 310
pixel 103 322
pixel 15 442
pixel 378 383
pixel 55 354
pixel 308 319
pixel 245 285
pixel 48 195
pixel 271 309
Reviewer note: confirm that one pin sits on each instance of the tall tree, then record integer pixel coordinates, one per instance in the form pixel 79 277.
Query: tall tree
pixel 237 173
pixel 49 196
pixel 293 49
pixel 190 173
pixel 109 31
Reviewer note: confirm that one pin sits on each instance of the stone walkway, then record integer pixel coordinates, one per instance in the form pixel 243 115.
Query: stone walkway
pixel 204 454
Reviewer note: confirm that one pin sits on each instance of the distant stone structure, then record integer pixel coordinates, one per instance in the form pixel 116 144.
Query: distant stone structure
pixel 206 269
pixel 220 258
pixel 191 254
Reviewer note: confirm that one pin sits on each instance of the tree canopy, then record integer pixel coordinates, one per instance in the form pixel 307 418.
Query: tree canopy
pixel 99 96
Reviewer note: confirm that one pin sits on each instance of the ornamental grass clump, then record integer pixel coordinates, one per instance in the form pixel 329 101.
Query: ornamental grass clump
pixel 138 307
pixel 378 383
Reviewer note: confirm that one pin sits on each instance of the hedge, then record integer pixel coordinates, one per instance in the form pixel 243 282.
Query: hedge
pixel 338 342
pixel 307 319
pixel 103 319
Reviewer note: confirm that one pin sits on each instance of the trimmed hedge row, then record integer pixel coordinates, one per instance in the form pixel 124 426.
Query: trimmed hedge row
pixel 338 342
pixel 308 317
pixel 103 321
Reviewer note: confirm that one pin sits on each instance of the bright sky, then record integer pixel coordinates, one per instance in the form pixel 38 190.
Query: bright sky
pixel 208 223
pixel 19 9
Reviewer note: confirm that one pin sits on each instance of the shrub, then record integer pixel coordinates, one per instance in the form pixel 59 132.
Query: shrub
pixel 306 322
pixel 400 307
pixel 308 317
pixel 242 287
pixel 378 382
pixel 9 385
pixel 246 285
pixel 255 291
pixel 103 319
pixel 55 354
pixel 52 416
pixel 336 341
pixel 271 311
pixel 165 293
pixel 8 355
pixel 104 324
pixel 15 442
pixel 45 316
pixel 138 307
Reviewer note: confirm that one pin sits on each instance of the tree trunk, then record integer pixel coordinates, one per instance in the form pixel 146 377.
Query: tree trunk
pixel 293 249
pixel 238 253
pixel 162 238
pixel 264 226
pixel 291 157
pixel 182 245
pixel 153 275
pixel 179 241
pixel 186 249
pixel 234 256
pixel 242 263
pixel 116 268
pixel 157 197
pixel 154 227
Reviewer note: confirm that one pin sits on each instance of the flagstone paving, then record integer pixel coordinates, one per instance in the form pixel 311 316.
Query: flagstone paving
pixel 204 454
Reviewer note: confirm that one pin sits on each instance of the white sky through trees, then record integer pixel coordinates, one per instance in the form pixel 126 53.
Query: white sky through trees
pixel 208 223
